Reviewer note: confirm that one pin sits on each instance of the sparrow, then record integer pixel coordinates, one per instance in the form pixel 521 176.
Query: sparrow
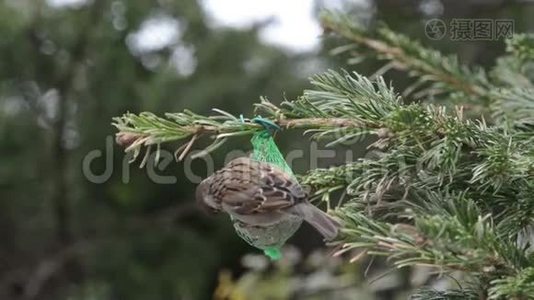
pixel 260 194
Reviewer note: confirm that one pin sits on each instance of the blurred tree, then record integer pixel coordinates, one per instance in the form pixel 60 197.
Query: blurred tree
pixel 66 68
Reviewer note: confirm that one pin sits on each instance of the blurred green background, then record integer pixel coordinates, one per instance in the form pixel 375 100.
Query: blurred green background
pixel 67 69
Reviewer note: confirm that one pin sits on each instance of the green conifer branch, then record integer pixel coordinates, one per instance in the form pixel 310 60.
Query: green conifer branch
pixel 521 46
pixel 444 72
pixel 431 294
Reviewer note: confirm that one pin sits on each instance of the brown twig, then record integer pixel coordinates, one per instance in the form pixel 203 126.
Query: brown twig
pixel 187 147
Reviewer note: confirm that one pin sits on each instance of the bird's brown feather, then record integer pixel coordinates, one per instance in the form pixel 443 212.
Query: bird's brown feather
pixel 250 186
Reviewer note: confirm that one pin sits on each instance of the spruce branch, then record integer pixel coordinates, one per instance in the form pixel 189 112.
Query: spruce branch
pixel 514 105
pixel 512 72
pixel 146 129
pixel 349 112
pixel 519 286
pixel 458 240
pixel 521 46
pixel 431 294
pixel 444 72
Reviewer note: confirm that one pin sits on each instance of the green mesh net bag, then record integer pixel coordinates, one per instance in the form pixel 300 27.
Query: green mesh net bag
pixel 269 239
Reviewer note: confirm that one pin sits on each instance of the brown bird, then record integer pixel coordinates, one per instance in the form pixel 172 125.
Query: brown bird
pixel 260 194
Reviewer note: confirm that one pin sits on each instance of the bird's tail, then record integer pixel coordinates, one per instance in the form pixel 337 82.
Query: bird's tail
pixel 325 224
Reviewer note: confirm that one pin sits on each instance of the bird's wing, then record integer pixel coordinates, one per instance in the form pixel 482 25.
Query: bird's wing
pixel 256 187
